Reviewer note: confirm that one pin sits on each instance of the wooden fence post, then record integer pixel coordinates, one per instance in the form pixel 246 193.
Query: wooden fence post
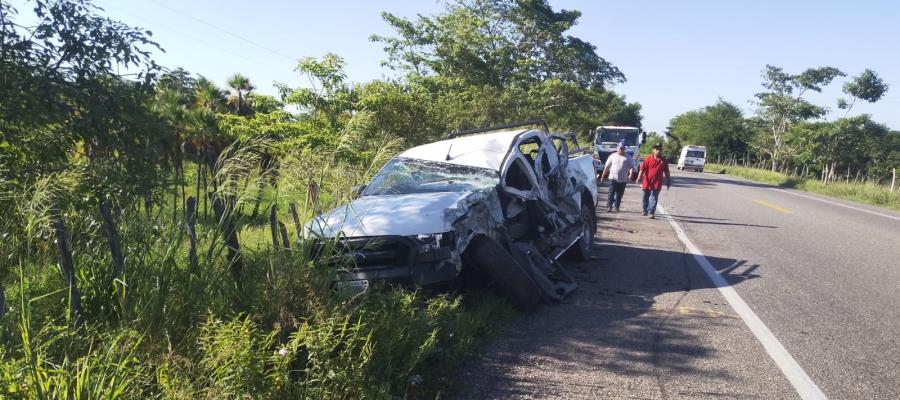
pixel 199 178
pixel 285 240
pixel 112 238
pixel 893 179
pixel 235 261
pixel 273 227
pixel 312 195
pixel 296 221
pixel 68 266
pixel 190 224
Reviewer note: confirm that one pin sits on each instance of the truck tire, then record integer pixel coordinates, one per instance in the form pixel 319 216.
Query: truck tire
pixel 581 250
pixel 511 277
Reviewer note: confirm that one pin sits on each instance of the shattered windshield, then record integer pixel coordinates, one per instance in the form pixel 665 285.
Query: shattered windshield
pixel 696 154
pixel 629 136
pixel 409 175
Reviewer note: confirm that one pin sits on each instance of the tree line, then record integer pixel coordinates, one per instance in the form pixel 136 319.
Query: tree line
pixel 142 211
pixel 791 134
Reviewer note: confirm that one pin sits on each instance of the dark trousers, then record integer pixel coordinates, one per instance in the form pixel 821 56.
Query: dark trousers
pixel 616 191
pixel 651 197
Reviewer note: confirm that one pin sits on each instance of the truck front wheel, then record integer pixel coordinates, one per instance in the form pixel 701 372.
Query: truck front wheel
pixel 581 250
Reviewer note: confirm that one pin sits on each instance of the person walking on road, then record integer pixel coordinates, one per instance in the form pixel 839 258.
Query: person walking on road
pixel 653 169
pixel 618 169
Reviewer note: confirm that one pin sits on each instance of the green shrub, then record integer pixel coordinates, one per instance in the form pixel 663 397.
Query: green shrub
pixel 866 193
pixel 172 330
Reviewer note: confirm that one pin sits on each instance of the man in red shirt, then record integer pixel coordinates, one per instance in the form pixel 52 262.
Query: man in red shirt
pixel 653 169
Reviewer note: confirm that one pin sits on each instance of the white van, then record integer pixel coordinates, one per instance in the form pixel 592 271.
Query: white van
pixel 692 157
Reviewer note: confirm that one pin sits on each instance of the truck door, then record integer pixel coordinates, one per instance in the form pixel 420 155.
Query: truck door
pixel 517 177
pixel 546 166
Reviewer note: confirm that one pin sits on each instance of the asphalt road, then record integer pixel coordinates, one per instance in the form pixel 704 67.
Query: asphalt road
pixel 824 278
pixel 647 322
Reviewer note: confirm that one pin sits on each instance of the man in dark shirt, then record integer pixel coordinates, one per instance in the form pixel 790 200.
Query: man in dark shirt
pixel 653 169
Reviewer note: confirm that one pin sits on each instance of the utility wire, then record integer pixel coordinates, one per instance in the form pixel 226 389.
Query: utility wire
pixel 186 36
pixel 223 30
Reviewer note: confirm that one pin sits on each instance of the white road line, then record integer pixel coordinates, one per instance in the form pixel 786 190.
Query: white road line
pixel 822 200
pixel 804 385
pixel 838 204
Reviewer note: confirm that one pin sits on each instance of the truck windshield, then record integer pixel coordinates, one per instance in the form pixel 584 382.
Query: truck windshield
pixel 630 137
pixel 696 154
pixel 409 175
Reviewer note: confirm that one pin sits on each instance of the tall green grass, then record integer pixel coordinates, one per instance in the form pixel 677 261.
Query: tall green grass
pixel 169 331
pixel 866 193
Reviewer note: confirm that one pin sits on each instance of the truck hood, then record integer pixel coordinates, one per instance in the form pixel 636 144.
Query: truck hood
pixel 402 214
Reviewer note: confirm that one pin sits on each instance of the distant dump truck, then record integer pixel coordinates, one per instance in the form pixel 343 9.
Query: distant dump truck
pixel 503 203
pixel 606 138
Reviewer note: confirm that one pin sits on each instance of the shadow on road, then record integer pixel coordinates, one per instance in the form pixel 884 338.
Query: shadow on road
pixel 709 221
pixel 707 180
pixel 629 321
pixel 639 325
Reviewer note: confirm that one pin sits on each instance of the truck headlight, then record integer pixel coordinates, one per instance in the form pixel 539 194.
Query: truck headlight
pixel 429 242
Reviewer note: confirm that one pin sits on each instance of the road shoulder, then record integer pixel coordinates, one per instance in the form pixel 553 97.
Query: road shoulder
pixel 645 323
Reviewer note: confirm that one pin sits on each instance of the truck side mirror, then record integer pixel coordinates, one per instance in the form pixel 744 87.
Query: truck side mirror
pixel 643 137
pixel 592 134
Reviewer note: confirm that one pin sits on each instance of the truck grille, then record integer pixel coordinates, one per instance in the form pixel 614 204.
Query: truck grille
pixel 368 253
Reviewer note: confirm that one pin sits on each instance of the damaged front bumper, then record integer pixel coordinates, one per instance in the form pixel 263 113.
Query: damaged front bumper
pixel 421 261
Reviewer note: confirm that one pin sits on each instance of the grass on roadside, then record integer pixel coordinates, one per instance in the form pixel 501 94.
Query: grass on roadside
pixel 172 328
pixel 865 193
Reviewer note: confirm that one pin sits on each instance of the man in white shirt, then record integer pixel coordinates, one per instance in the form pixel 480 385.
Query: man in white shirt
pixel 618 168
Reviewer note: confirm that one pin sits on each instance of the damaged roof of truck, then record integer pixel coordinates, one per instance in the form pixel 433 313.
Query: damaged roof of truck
pixel 485 150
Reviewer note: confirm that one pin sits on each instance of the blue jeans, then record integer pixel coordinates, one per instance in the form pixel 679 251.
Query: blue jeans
pixel 616 191
pixel 651 197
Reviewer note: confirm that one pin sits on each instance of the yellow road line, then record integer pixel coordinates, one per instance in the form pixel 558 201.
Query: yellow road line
pixel 772 206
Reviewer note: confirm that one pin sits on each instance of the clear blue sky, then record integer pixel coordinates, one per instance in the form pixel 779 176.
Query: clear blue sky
pixel 677 55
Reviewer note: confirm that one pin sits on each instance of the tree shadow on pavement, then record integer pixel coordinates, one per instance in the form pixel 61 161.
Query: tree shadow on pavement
pixel 613 327
pixel 643 318
pixel 684 181
pixel 709 221
pixel 704 180
pixel 693 217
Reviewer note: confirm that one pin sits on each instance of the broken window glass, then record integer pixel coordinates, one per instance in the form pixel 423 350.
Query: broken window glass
pixel 408 175
pixel 517 178
pixel 530 148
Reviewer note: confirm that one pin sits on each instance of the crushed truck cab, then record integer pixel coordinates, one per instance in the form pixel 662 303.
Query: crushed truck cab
pixel 505 201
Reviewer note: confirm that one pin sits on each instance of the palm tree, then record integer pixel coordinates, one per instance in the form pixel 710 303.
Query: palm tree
pixel 241 87
pixel 209 96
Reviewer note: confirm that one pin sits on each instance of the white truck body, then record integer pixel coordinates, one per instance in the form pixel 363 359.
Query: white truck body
pixel 692 158
pixel 518 188
pixel 607 138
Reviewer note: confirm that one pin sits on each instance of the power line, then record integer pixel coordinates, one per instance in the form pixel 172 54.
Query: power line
pixel 223 30
pixel 186 36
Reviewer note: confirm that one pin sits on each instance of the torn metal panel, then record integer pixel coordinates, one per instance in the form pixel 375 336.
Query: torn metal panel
pixel 554 281
pixel 480 213
pixel 519 190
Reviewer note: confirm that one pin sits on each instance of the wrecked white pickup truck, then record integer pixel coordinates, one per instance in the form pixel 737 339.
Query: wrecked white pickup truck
pixel 503 202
